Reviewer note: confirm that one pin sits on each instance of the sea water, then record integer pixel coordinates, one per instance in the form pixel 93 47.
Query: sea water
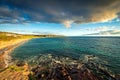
pixel 106 49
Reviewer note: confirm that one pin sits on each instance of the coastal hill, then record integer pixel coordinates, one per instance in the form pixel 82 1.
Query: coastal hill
pixel 7 38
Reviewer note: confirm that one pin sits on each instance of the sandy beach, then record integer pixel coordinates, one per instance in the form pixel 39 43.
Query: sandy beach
pixel 6 48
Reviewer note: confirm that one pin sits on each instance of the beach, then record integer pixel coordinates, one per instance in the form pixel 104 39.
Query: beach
pixel 52 64
pixel 6 48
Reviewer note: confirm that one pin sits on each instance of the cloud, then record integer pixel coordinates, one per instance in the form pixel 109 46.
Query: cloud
pixel 67 23
pixel 104 28
pixel 101 28
pixel 58 11
pixel 106 33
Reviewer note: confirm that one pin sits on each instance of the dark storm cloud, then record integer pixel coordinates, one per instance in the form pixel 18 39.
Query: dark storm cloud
pixel 58 11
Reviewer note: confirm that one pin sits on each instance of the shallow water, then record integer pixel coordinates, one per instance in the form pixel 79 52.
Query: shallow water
pixel 106 49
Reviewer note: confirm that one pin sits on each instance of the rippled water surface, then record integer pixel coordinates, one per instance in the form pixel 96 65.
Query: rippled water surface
pixel 107 49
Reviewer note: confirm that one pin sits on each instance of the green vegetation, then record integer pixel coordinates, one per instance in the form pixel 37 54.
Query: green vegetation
pixel 6 36
pixel 16 68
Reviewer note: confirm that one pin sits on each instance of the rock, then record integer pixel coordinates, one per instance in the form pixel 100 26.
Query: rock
pixel 64 69
pixel 15 73
pixel 20 63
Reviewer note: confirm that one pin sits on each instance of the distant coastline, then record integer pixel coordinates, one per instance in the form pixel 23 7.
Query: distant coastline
pixel 9 41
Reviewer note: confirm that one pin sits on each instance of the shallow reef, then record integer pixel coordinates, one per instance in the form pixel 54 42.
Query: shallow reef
pixel 52 67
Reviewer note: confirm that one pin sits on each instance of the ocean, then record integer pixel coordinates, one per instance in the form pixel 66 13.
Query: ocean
pixel 106 49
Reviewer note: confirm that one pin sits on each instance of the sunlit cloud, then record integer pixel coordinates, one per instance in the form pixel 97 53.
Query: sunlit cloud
pixel 67 23
pixel 77 11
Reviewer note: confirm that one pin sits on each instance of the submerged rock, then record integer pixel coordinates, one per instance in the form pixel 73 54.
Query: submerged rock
pixel 68 69
pixel 67 73
pixel 49 67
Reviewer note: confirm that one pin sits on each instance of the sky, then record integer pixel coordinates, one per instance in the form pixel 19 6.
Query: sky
pixel 61 17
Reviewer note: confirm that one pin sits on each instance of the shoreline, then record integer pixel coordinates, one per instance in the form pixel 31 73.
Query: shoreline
pixel 52 67
pixel 5 58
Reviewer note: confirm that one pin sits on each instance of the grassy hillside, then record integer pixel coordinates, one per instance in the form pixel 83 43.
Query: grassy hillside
pixel 6 36
pixel 8 39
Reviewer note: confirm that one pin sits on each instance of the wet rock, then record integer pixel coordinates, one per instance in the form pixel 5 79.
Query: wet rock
pixel 69 69
pixel 67 73
pixel 20 63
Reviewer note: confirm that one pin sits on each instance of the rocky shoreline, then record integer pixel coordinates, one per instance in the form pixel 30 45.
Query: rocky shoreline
pixel 51 67
pixel 55 68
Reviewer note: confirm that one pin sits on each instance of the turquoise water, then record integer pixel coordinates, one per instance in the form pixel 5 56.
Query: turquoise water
pixel 107 49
